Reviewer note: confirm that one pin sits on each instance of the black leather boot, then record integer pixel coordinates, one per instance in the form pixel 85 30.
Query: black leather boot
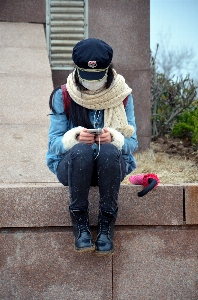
pixel 104 242
pixel 82 234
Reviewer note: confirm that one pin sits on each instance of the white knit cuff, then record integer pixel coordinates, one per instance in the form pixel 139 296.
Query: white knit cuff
pixel 118 138
pixel 69 138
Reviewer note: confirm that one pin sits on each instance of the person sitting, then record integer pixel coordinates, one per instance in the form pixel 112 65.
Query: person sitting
pixel 98 98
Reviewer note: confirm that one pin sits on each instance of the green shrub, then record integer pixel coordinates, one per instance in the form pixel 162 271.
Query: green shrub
pixel 187 126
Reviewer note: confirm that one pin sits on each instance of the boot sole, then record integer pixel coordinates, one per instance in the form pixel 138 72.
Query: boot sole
pixel 90 249
pixel 101 253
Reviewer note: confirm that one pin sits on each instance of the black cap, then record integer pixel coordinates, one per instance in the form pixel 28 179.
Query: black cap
pixel 92 58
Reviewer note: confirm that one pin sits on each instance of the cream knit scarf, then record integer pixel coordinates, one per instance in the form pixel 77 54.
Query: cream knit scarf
pixel 111 100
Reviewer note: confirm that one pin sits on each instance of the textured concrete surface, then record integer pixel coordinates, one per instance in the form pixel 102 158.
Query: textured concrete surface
pixel 59 77
pixel 38 205
pixel 25 83
pixel 22 154
pixel 21 35
pixel 42 264
pixel 24 99
pixel 149 263
pixel 162 206
pixel 191 204
pixel 34 206
pixel 141 94
pixel 156 263
pixel 22 11
pixel 125 25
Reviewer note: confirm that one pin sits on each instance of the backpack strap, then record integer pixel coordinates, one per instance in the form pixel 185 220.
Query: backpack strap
pixel 66 99
pixel 125 101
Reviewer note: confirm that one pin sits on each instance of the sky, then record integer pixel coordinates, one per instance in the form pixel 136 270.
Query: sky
pixel 175 22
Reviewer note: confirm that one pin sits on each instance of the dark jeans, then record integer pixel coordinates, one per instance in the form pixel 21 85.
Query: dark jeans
pixel 79 171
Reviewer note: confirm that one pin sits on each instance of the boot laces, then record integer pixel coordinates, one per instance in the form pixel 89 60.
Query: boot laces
pixel 105 226
pixel 83 224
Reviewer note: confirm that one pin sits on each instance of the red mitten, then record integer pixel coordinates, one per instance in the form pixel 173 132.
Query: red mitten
pixel 147 177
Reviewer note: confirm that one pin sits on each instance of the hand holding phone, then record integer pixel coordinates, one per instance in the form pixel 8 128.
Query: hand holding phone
pixel 97 131
pixel 104 138
pixel 86 137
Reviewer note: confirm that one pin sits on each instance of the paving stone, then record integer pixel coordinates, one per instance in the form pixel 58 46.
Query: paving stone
pixel 25 61
pixel 25 86
pixel 26 103
pixel 191 204
pixel 155 263
pixel 42 264
pixel 20 35
pixel 22 154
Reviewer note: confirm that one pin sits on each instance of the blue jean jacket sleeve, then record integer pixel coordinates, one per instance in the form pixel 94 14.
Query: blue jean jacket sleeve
pixel 58 126
pixel 130 144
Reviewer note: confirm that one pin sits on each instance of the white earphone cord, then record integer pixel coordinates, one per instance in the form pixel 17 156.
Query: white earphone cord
pixel 98 146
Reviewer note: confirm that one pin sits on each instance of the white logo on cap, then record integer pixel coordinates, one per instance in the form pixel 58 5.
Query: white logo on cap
pixel 92 64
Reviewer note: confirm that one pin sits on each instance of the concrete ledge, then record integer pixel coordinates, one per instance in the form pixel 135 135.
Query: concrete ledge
pixel 191 204
pixel 38 205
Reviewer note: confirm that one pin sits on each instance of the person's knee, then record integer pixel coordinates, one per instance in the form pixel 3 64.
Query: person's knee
pixel 109 150
pixel 81 147
pixel 109 156
pixel 82 150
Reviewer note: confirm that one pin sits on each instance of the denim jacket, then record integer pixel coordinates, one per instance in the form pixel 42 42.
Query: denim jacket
pixel 60 124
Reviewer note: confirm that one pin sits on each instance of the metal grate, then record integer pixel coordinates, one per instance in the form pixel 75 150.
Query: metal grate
pixel 66 24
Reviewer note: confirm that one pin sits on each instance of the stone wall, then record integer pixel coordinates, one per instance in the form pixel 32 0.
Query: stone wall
pixel 30 11
pixel 125 25
pixel 156 246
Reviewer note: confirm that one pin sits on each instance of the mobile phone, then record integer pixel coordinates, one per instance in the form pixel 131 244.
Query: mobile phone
pixel 95 131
